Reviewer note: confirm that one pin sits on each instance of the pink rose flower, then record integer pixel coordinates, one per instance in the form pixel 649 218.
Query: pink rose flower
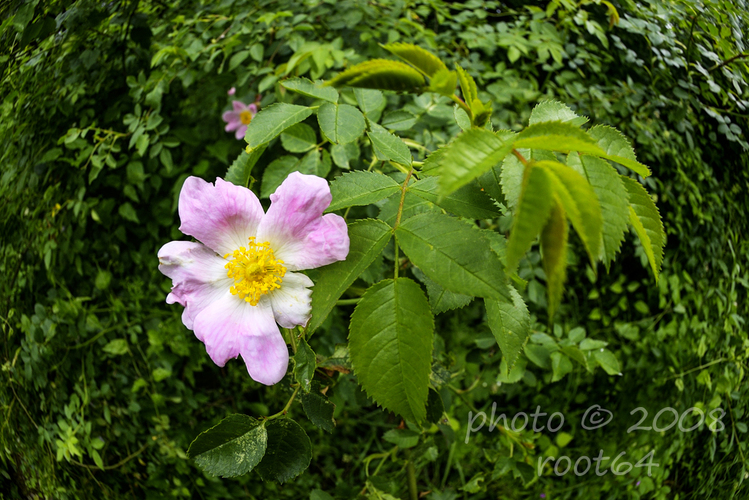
pixel 237 120
pixel 238 283
pixel 231 91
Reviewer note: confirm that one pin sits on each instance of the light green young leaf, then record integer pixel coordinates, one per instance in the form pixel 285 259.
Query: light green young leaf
pixel 462 118
pixel 557 136
pixel 390 344
pixel 617 148
pixel 381 74
pixel 240 170
pixel 579 202
pixel 360 188
pixel 468 156
pixel 510 325
pixel 316 90
pixel 555 111
pixel 453 254
pixel 231 448
pixel 560 365
pixel 368 238
pixel 289 451
pixel 270 122
pixel 298 138
pixel 468 201
pixel 467 86
pixel 608 361
pixel 340 123
pixel 305 365
pixel 389 147
pixel 646 221
pixel 421 59
pixel 533 209
pixel 444 82
pixel 399 120
pixel 614 199
pixel 554 252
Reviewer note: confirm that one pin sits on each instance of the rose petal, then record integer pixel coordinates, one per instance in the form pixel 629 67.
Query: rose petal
pixel 241 131
pixel 294 226
pixel 232 121
pixel 239 106
pixel 198 276
pixel 222 216
pixel 292 302
pixel 253 107
pixel 230 326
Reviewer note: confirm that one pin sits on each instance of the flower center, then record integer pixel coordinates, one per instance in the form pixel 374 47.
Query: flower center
pixel 255 271
pixel 245 117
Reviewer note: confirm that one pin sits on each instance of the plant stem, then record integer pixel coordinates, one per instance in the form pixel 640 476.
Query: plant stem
pixel 288 405
pixel 411 471
pixel 347 302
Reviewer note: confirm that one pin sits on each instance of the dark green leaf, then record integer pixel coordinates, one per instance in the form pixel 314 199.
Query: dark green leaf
pixel 554 251
pixel 298 138
pixel 270 122
pixel 289 451
pixel 319 410
pixel 510 324
pixel 304 364
pixel 389 147
pixel 468 201
pixel 646 221
pixel 435 407
pixel 315 90
pixel 231 448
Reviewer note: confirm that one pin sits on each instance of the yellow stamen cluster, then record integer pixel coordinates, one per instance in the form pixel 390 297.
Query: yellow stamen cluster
pixel 255 271
pixel 245 117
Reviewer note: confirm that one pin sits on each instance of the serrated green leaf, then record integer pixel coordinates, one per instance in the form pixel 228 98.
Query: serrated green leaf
pixel 510 325
pixel 368 238
pixel 533 210
pixel 298 138
pixel 240 170
pixel 468 201
pixel 316 90
pixel 371 102
pixel 421 59
pixel 555 111
pixel 607 361
pixel 613 197
pixel 270 122
pixel 557 136
pixel 617 148
pixel 340 123
pixel 360 188
pixel 646 221
pixel 412 205
pixel 304 365
pixel 289 451
pixel 468 156
pixel 462 118
pixel 444 82
pixel 343 153
pixel 381 74
pixel 467 86
pixel 399 120
pixel 579 202
pixel 232 448
pixel 319 409
pixel 432 162
pixel 389 147
pixel 390 343
pixel 453 254
pixel 554 252
pixel 441 300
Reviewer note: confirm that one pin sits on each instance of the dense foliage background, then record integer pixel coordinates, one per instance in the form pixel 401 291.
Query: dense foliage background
pixel 108 107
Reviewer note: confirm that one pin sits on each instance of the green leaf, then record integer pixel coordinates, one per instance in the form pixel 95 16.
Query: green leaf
pixel 343 153
pixel 390 343
pixel 646 221
pixel 468 156
pixel 453 254
pixel 510 325
pixel 389 147
pixel 289 451
pixel 617 148
pixel 444 82
pixel 340 123
pixel 613 197
pixel 580 204
pixel 298 138
pixel 467 86
pixel 116 347
pixel 371 102
pixel 360 188
pixel 270 122
pixel 435 407
pixel 468 201
pixel 316 90
pixel 319 495
pixel 127 212
pixel 399 120
pixel 462 118
pixel 555 111
pixel 560 366
pixel 557 136
pixel 280 168
pixel 304 364
pixel 441 300
pixel 368 238
pixel 533 210
pixel 232 448
pixel 403 438
pixel 381 74
pixel 554 251
pixel 412 205
pixel 608 361
pixel 421 59
pixel 319 409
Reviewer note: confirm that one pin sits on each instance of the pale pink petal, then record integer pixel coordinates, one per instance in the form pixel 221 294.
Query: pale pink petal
pixel 295 228
pixel 292 302
pixel 222 216
pixel 232 121
pixel 239 106
pixel 230 326
pixel 253 107
pixel 241 131
pixel 198 276
pixel 231 91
